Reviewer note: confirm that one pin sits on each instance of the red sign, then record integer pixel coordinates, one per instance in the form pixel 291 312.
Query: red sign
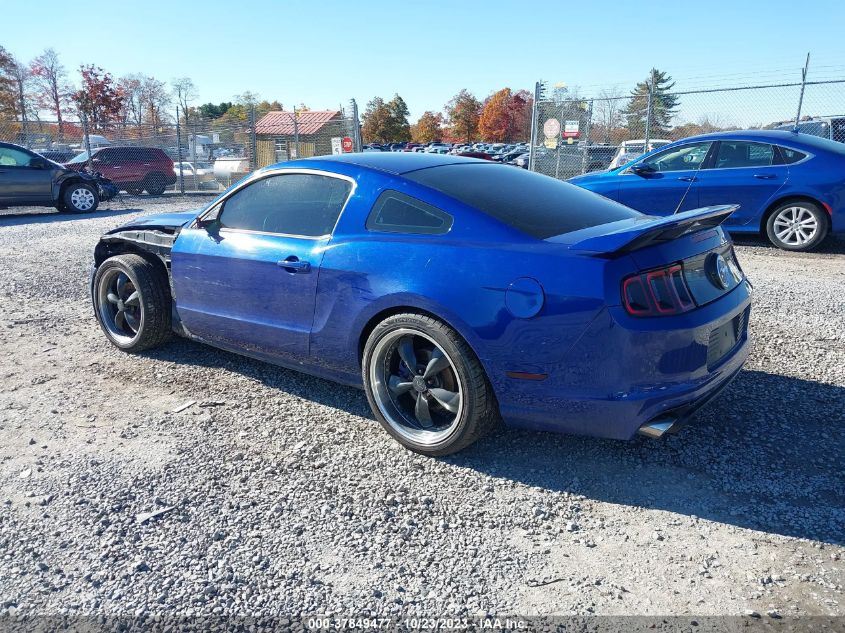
pixel 346 144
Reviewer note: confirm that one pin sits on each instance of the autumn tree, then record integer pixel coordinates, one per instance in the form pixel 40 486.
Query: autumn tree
pixel 376 121
pixel 429 128
pixel 98 99
pixel 132 101
pixel 7 85
pixel 16 83
pixel 399 129
pixel 663 108
pixel 521 109
pixel 495 122
pixel 51 88
pixel 463 111
pixel 156 100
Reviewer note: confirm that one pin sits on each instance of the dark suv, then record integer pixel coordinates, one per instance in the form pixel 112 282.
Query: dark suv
pixel 29 179
pixel 133 169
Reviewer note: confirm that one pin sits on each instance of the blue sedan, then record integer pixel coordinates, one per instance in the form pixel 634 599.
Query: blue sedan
pixel 457 292
pixel 789 186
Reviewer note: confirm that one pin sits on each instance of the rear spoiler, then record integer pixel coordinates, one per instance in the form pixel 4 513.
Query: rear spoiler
pixel 656 230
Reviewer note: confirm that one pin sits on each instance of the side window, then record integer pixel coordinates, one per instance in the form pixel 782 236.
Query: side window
pixel 791 155
pixel 293 204
pixel 395 212
pixel 14 157
pixel 105 156
pixel 680 158
pixel 744 154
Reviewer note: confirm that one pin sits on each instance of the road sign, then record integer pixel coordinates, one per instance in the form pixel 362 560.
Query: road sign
pixel 551 143
pixel 551 128
pixel 337 147
pixel 570 129
pixel 346 144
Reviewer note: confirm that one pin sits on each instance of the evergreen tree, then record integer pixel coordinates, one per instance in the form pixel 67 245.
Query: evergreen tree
pixel 664 106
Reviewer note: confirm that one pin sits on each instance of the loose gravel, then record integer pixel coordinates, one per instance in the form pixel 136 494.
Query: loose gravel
pixel 189 480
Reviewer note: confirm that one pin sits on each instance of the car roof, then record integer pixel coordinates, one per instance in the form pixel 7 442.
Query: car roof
pixel 391 162
pixel 772 136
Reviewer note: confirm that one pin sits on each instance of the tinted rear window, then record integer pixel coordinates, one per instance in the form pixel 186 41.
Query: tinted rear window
pixel 537 205
pixel 816 143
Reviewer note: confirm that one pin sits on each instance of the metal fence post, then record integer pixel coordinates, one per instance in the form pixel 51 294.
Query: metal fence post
pixel 356 127
pixel 534 123
pixel 801 95
pixel 252 158
pixel 179 153
pixel 295 132
pixel 586 154
pixel 87 139
pixel 193 149
pixel 648 113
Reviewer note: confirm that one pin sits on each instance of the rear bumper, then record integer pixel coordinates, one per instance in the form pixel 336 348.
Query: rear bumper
pixel 621 375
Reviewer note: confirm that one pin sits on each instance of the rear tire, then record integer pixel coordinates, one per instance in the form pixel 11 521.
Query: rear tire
pixel 458 405
pixel 132 302
pixel 155 184
pixel 797 226
pixel 79 197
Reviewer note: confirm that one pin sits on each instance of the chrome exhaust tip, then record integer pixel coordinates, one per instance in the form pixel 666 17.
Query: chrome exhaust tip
pixel 657 427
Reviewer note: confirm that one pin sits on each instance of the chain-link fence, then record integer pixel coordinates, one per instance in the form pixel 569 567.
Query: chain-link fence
pixel 188 153
pixel 572 136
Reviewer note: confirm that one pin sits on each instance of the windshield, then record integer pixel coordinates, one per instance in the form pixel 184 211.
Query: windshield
pixel 79 158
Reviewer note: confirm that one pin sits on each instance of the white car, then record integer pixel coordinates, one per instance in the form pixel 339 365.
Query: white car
pixel 438 148
pixel 631 150
pixel 203 173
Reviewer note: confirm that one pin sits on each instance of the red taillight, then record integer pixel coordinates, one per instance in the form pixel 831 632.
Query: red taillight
pixel 661 292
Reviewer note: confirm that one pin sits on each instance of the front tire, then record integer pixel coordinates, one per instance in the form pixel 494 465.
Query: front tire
pixel 132 302
pixel 425 385
pixel 80 198
pixel 797 226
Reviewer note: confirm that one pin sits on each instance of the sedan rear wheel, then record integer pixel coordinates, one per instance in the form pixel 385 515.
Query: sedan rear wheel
pixel 426 386
pixel 797 226
pixel 132 302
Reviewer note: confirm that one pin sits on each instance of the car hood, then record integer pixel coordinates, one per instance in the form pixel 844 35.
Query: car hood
pixel 163 221
pixel 593 176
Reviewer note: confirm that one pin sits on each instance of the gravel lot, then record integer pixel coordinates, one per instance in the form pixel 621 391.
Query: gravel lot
pixel 280 494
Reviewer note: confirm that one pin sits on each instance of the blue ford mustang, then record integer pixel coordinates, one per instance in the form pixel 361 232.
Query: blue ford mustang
pixel 789 186
pixel 458 292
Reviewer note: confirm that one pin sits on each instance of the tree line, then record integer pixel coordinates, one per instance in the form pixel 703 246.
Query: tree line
pixel 135 105
pixel 503 116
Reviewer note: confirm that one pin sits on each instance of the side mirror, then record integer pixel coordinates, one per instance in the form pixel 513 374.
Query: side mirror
pixel 211 221
pixel 642 169
pixel 39 163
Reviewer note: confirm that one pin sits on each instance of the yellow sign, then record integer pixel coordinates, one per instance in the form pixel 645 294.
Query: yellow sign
pixel 551 143
pixel 569 141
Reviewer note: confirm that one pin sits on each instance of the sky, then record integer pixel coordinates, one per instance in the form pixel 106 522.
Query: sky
pixel 324 53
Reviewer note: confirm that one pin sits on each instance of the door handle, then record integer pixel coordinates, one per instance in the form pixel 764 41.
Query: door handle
pixel 688 178
pixel 765 176
pixel 295 265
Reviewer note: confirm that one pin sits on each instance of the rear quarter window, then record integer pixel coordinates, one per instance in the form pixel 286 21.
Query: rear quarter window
pixel 539 206
pixel 395 212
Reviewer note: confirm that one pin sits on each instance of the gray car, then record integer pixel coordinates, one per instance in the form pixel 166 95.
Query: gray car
pixel 29 179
